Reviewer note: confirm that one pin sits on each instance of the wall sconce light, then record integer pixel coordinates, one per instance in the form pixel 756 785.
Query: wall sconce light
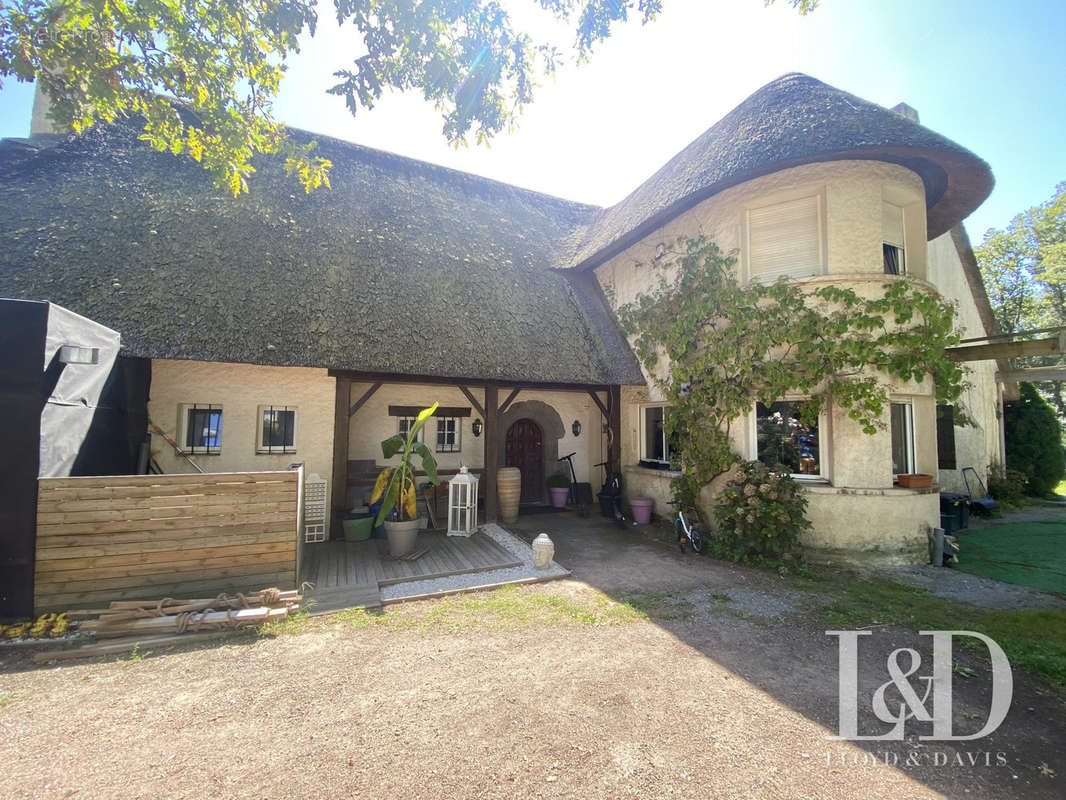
pixel 576 428
pixel 477 427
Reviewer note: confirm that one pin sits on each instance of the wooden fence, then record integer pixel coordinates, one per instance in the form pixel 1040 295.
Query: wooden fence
pixel 152 536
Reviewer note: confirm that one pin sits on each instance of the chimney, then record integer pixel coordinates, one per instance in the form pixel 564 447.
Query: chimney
pixel 40 122
pixel 907 111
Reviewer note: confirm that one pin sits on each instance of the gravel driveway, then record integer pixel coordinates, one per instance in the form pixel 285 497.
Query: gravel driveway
pixel 725 688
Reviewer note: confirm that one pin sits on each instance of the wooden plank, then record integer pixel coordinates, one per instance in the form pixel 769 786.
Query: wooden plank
pixel 60 601
pixel 362 400
pixel 90 563
pixel 68 550
pixel 57 536
pixel 614 426
pixel 152 515
pixel 173 524
pixel 124 492
pixel 131 574
pixel 473 400
pixel 341 432
pixel 599 404
pixel 147 583
pixel 988 352
pixel 491 438
pixel 198 479
pixel 51 506
pixel 506 404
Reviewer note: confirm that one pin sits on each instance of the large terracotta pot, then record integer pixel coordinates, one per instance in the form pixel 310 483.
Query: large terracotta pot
pixel 509 491
pixel 402 536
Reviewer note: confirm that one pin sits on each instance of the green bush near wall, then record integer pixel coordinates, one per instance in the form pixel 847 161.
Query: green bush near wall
pixel 1034 441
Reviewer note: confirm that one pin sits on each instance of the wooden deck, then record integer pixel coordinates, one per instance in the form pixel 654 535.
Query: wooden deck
pixel 350 574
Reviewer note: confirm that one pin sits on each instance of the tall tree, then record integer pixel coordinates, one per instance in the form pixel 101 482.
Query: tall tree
pixel 1024 269
pixel 224 60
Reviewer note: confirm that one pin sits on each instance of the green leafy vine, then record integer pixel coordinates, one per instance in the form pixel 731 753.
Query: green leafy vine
pixel 726 346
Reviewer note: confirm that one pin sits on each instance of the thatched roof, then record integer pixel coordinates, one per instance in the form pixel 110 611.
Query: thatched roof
pixel 791 121
pixel 403 267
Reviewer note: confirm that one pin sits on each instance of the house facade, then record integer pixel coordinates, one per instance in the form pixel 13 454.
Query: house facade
pixel 285 328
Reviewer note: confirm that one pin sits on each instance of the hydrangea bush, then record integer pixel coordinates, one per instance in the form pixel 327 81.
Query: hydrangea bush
pixel 759 514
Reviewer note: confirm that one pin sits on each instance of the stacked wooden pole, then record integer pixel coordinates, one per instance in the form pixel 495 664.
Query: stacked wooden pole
pixel 170 621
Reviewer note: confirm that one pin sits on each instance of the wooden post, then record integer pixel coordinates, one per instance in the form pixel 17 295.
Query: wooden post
pixel 339 495
pixel 492 433
pixel 614 423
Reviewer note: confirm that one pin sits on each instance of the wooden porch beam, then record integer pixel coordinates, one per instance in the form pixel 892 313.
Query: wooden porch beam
pixel 614 425
pixel 460 380
pixel 599 404
pixel 506 404
pixel 492 433
pixel 473 401
pixel 362 400
pixel 1033 374
pixel 341 419
pixel 1052 345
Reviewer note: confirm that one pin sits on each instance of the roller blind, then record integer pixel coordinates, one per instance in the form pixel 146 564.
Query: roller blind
pixel 892 224
pixel 785 240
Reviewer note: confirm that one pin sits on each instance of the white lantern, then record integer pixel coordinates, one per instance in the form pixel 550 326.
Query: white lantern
pixel 462 504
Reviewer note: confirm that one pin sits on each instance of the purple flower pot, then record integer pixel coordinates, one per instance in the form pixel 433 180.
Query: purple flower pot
pixel 559 495
pixel 641 509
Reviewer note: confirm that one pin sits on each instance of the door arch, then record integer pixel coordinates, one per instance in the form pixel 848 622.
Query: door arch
pixel 525 450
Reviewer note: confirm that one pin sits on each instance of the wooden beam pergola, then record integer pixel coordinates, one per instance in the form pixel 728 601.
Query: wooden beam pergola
pixel 492 434
pixel 1056 373
pixel 339 498
pixel 362 400
pixel 1017 347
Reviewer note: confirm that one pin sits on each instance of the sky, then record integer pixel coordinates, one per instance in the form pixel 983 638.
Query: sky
pixel 989 75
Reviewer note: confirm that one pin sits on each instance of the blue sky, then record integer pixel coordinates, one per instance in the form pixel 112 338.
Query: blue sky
pixel 990 75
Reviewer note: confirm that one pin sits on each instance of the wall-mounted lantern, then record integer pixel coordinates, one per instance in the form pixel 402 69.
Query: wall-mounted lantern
pixel 576 427
pixel 476 427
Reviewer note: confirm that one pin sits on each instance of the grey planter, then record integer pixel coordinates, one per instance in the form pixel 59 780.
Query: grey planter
pixel 402 536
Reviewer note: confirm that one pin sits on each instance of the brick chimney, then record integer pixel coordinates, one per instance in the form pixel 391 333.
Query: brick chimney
pixel 907 111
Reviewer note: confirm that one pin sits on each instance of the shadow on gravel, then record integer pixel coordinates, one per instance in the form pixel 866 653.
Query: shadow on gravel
pixel 770 632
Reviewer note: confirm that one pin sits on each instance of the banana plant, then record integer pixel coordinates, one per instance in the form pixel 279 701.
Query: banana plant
pixel 396 485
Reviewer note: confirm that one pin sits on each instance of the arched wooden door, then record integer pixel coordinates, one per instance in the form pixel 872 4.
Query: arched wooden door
pixel 525 450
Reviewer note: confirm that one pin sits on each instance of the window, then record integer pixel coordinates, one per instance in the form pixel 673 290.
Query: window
pixel 893 248
pixel 449 435
pixel 784 443
pixel 785 240
pixel 203 428
pixel 945 437
pixel 277 429
pixel 902 429
pixel 406 423
pixel 657 450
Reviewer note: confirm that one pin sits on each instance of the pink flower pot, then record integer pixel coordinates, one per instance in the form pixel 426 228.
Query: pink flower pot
pixel 559 495
pixel 641 509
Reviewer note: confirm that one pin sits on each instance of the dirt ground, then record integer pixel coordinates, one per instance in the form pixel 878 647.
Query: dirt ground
pixel 516 695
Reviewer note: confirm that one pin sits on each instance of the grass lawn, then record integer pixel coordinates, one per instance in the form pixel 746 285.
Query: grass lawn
pixel 1027 553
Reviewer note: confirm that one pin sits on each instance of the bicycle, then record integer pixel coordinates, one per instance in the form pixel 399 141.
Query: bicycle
pixel 692 533
pixel 612 487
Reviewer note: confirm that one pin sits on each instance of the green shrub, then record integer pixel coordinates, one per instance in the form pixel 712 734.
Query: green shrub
pixel 1008 486
pixel 759 515
pixel 560 480
pixel 1034 441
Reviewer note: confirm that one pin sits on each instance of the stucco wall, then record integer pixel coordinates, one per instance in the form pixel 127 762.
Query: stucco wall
pixel 372 423
pixel 857 473
pixel 977 445
pixel 240 389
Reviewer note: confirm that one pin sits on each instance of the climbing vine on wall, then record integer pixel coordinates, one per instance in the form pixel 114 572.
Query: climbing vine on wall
pixel 729 346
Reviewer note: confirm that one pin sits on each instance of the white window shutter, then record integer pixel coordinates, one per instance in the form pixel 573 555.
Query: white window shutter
pixel 892 224
pixel 785 240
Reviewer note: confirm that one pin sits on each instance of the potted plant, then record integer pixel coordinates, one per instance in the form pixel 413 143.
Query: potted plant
pixel 395 486
pixel 559 488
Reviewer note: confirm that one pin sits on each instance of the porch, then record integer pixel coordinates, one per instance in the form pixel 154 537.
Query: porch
pixel 363 575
